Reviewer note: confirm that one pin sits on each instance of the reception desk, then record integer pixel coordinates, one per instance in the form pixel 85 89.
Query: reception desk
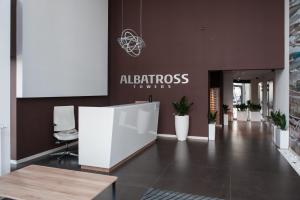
pixel 108 136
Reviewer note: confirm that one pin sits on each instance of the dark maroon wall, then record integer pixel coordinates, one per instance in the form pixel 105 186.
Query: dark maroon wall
pixel 35 119
pixel 194 36
pixel 191 36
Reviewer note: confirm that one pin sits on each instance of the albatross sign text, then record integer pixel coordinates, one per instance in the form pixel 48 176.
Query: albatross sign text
pixel 154 80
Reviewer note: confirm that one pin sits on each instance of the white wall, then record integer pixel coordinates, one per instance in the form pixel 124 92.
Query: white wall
pixel 4 84
pixel 62 48
pixel 282 91
pixel 247 92
pixel 282 76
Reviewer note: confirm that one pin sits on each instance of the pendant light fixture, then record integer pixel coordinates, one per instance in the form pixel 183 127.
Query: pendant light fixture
pixel 129 40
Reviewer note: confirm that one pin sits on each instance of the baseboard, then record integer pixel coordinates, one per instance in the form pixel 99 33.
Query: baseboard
pixel 188 137
pixel 117 165
pixel 15 162
pixel 166 135
pixel 197 138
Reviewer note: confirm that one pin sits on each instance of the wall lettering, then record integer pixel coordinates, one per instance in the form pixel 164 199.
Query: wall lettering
pixel 154 80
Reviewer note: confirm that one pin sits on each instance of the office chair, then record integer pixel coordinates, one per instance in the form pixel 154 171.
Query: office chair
pixel 64 129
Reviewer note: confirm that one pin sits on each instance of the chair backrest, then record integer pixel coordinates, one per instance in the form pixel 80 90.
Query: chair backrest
pixel 63 118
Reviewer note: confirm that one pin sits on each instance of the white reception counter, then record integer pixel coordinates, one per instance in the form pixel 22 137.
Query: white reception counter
pixel 110 135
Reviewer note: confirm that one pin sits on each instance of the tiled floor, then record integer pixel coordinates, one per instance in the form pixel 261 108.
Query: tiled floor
pixel 241 164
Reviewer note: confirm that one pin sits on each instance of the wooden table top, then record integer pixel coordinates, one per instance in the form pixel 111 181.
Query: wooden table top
pixel 39 182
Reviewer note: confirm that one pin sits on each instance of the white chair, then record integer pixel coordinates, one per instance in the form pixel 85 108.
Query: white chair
pixel 64 128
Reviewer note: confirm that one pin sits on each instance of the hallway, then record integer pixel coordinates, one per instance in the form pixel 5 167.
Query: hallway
pixel 241 164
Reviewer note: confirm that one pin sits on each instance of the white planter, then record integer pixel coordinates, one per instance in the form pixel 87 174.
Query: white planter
pixel 242 115
pixel 282 138
pixel 181 127
pixel 212 131
pixel 225 119
pixel 255 116
pixel 274 129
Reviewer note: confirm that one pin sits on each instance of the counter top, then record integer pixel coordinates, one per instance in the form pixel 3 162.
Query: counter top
pixel 123 105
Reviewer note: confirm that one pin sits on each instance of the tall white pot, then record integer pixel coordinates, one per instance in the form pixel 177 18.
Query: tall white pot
pixel 212 131
pixel 255 116
pixel 282 138
pixel 225 119
pixel 181 127
pixel 242 115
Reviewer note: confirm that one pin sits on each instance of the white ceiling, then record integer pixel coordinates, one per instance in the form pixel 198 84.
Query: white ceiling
pixel 252 74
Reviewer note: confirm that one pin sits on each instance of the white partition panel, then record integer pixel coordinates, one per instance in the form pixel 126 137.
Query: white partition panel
pixel 62 48
pixel 4 150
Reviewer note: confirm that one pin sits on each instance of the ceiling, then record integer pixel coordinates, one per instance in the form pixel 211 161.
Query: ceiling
pixel 251 74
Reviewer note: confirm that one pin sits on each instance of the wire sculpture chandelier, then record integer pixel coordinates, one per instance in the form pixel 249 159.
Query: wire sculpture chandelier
pixel 129 40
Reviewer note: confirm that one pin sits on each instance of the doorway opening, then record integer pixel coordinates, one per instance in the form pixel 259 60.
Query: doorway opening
pixel 215 94
pixel 246 90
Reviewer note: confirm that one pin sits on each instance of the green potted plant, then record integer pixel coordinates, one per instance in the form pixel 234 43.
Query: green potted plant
pixel 225 114
pixel 254 112
pixel 182 109
pixel 242 114
pixel 282 134
pixel 212 116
